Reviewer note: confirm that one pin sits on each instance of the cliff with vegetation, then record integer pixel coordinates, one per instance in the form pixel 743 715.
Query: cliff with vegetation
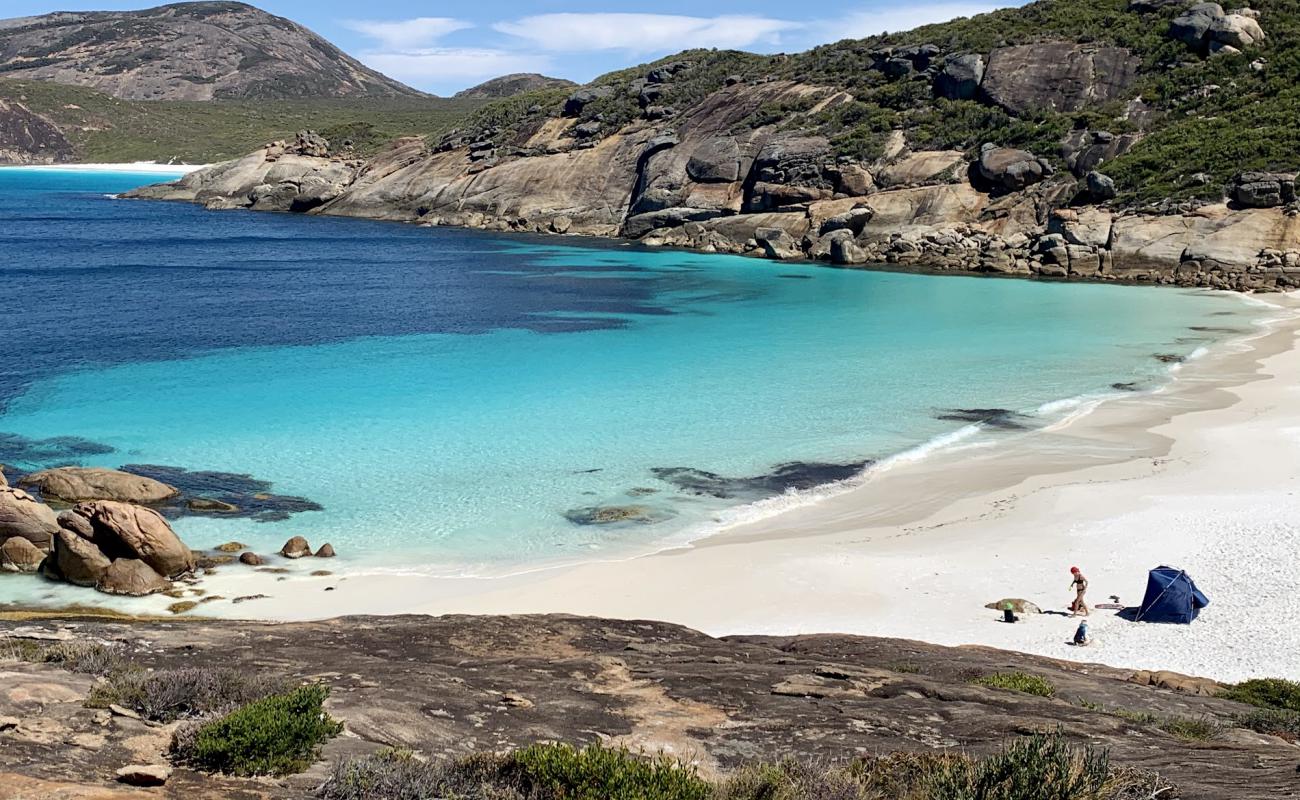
pixel 1150 140
pixel 566 708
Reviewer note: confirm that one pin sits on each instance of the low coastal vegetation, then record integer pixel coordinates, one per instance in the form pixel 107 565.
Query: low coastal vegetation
pixel 1277 706
pixel 1038 767
pixel 1018 682
pixel 173 694
pixel 277 735
pixel 1271 693
pixel 105 129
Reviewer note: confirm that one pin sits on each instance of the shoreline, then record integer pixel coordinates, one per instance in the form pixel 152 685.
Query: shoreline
pixel 136 167
pixel 896 557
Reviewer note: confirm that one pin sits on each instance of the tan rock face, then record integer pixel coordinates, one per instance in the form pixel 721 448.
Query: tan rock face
pixel 19 555
pixel 131 577
pixel 78 484
pixel 77 560
pixel 1060 76
pixel 923 166
pixel 125 530
pixel 23 516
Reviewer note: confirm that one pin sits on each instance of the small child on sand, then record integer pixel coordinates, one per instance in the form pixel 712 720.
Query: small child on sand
pixel 1081 635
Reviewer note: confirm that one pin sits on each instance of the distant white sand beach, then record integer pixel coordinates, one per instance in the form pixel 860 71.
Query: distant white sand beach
pixel 134 166
pixel 1203 475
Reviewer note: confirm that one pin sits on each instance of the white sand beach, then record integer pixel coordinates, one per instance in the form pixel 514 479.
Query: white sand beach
pixel 142 167
pixel 1203 475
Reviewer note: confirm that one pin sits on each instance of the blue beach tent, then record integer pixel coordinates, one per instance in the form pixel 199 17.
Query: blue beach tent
pixel 1171 596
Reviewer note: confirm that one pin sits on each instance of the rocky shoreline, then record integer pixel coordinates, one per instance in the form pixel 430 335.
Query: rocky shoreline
pixel 105 529
pixel 1004 214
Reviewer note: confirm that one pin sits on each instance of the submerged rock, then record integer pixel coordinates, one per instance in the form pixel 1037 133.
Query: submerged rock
pixel 784 477
pixel 251 559
pixel 614 515
pixel 227 493
pixel 203 505
pixel 1000 418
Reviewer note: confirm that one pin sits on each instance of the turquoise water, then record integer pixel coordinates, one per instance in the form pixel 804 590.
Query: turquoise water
pixel 448 397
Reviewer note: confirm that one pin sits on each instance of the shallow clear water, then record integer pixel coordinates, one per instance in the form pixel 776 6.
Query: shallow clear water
pixel 448 396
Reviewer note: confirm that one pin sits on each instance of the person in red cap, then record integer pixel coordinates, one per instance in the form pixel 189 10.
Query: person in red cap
pixel 1080 586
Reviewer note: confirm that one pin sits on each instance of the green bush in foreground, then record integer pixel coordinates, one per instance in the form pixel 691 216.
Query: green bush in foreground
pixel 1018 682
pixel 1041 767
pixel 601 773
pixel 277 735
pixel 1266 693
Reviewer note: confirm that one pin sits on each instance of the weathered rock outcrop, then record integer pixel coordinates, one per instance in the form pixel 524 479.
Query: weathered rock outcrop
pixel 77 484
pixel 1010 170
pixel 961 77
pixel 1061 76
pixel 29 138
pixel 23 516
pixel 187 51
pixel 122 530
pixel 445 687
pixel 1263 189
pixel 131 577
pixel 1208 29
pixel 117 548
pixel 20 555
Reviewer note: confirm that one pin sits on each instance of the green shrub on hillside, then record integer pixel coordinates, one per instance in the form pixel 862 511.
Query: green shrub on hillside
pixel 1018 682
pixel 1273 693
pixel 277 735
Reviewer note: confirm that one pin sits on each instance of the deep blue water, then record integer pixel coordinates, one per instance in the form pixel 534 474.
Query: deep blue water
pixel 453 400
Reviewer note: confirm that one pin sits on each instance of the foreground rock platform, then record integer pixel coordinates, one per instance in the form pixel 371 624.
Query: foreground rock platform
pixel 452 685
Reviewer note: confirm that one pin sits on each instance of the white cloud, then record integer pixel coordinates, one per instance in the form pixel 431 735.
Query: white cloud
pixel 454 66
pixel 861 24
pixel 407 34
pixel 643 33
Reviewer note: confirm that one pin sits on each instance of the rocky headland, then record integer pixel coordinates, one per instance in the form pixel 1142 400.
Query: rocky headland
pixel 1037 154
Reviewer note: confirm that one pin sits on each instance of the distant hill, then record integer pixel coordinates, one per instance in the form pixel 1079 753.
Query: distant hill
pixel 511 85
pixel 187 51
pixel 42 122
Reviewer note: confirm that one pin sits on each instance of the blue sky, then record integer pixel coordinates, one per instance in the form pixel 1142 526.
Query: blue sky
pixel 443 47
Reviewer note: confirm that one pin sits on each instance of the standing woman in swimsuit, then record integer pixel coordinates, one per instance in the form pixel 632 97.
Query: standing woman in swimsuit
pixel 1080 586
